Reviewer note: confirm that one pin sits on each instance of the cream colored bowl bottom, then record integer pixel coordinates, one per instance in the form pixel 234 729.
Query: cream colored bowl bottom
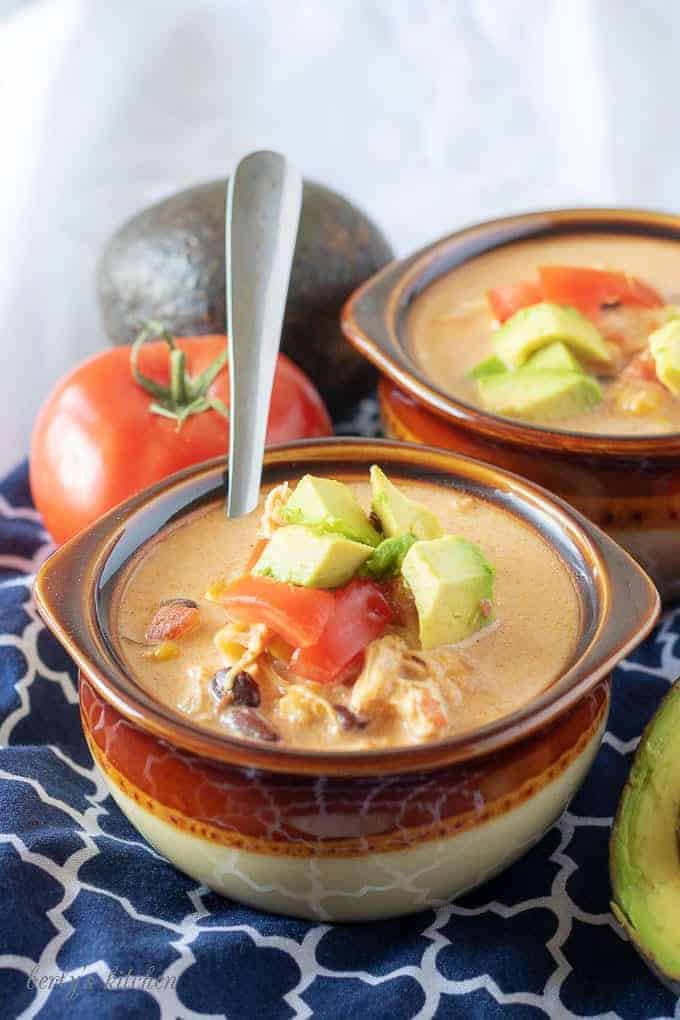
pixel 378 885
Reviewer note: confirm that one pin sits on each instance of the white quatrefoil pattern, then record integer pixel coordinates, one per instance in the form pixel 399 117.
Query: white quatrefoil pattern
pixel 94 924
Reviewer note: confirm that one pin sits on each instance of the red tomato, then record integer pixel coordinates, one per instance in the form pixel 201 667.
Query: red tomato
pixel 507 300
pixel 298 615
pixel 96 440
pixel 360 615
pixel 588 290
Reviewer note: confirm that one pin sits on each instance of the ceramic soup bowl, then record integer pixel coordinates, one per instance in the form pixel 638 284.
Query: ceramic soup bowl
pixel 351 835
pixel 629 485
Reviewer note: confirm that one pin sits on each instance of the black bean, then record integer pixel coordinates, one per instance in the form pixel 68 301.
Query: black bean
pixel 244 690
pixel 189 603
pixel 249 723
pixel 348 719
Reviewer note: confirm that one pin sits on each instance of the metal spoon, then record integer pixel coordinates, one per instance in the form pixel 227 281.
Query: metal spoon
pixel 264 197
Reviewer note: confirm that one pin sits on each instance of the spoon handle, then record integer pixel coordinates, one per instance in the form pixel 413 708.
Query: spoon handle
pixel 264 197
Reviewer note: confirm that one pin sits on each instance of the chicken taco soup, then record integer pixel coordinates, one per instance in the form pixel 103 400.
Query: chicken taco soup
pixel 348 615
pixel 579 333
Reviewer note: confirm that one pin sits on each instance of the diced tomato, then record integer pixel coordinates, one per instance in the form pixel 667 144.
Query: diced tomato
pixel 507 300
pixel 641 366
pixel 298 615
pixel 591 290
pixel 360 615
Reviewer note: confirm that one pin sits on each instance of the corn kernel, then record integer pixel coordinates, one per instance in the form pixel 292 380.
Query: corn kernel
pixel 638 398
pixel 227 645
pixel 165 651
pixel 215 590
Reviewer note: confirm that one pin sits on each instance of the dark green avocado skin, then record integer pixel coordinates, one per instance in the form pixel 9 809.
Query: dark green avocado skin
pixel 167 263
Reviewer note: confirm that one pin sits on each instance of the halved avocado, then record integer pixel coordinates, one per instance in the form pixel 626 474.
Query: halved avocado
pixel 644 856
pixel 167 264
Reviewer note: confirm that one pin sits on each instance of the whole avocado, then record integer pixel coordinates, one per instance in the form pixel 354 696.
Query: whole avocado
pixel 167 264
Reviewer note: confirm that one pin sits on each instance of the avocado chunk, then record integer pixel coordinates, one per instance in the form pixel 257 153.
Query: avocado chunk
pixel 314 559
pixel 385 561
pixel 490 366
pixel 644 858
pixel 397 513
pixel 536 395
pixel 556 357
pixel 530 329
pixel 330 506
pixel 664 344
pixel 452 584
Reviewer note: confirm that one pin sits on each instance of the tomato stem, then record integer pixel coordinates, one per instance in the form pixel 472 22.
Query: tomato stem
pixel 186 395
pixel 178 368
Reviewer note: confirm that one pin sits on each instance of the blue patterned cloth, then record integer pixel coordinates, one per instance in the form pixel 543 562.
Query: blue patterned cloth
pixel 94 924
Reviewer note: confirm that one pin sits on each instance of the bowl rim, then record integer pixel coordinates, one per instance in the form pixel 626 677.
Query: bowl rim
pixel 369 321
pixel 66 589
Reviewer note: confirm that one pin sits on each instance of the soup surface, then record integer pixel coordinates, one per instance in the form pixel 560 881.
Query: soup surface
pixel 409 697
pixel 451 326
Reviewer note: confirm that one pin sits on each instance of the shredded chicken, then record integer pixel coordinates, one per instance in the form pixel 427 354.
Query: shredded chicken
pixel 375 684
pixel 423 711
pixel 628 327
pixel 302 705
pixel 271 515
pixel 241 645
pixel 419 687
pixel 196 700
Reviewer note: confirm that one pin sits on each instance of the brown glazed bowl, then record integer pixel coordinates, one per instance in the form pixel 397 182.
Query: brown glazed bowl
pixel 628 485
pixel 343 835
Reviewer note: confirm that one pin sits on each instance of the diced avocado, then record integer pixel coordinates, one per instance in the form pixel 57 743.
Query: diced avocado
pixel 386 559
pixel 537 326
pixel 664 344
pixel 397 513
pixel 539 395
pixel 310 557
pixel 490 366
pixel 452 584
pixel 331 506
pixel 644 853
pixel 556 357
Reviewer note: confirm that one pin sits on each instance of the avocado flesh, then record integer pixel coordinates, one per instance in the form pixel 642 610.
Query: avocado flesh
pixel 644 854
pixel 556 357
pixel 331 506
pixel 489 366
pixel 533 328
pixel 386 559
pixel 664 344
pixel 452 585
pixel 300 555
pixel 397 513
pixel 538 395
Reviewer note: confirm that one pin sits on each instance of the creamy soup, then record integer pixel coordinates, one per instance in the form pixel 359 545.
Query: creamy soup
pixel 451 326
pixel 410 695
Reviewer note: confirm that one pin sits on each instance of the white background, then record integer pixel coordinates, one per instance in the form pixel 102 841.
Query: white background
pixel 429 114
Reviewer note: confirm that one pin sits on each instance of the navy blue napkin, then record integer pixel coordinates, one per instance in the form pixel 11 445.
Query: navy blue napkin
pixel 94 924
